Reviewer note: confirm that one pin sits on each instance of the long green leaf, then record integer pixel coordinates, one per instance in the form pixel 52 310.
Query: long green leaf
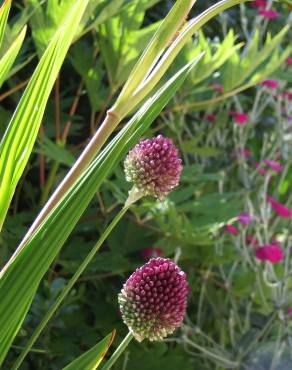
pixel 4 11
pixel 9 57
pixel 25 270
pixel 91 359
pixel 192 26
pixel 20 136
pixel 161 39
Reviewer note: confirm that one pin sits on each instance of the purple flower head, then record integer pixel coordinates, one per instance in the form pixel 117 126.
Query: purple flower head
pixel 289 60
pixel 268 13
pixel 245 218
pixel 153 300
pixel 272 84
pixel 270 252
pixel 154 166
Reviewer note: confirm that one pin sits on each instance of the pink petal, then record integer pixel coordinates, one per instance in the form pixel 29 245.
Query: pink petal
pixel 279 208
pixel 261 171
pixel 274 165
pixel 269 252
pixel 245 218
pixel 272 84
pixel 269 14
pixel 240 118
pixel 231 229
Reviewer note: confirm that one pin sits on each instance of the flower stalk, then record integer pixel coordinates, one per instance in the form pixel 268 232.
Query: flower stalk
pixel 115 356
pixel 71 283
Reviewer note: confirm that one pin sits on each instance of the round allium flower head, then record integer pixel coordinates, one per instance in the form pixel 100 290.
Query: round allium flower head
pixel 153 300
pixel 154 167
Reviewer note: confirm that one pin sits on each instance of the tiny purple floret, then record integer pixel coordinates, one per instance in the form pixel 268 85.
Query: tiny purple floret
pixel 153 300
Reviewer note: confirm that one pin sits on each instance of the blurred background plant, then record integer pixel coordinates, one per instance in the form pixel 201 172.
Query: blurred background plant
pixel 228 224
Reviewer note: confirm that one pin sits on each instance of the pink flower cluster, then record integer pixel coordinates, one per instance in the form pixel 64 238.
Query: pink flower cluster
pixel 270 252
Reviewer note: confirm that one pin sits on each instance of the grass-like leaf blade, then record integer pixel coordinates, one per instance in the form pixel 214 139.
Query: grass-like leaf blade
pixel 91 359
pixel 9 57
pixel 20 136
pixel 4 12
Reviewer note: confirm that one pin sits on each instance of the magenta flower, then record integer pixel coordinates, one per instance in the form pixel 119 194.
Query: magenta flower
pixel 268 13
pixel 147 253
pixel 153 300
pixel 269 252
pixel 245 218
pixel 290 312
pixel 210 117
pixel 231 229
pixel 274 165
pixel 272 84
pixel 240 118
pixel 289 60
pixel 279 208
pixel 154 166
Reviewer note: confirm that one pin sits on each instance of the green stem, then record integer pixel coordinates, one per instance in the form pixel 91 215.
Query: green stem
pixel 49 183
pixel 68 287
pixel 211 354
pixel 118 351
